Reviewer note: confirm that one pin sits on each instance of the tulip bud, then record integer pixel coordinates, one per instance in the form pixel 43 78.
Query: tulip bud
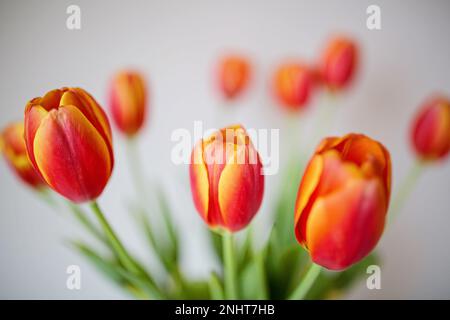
pixel 339 62
pixel 430 132
pixel 343 200
pixel 69 143
pixel 226 179
pixel 12 145
pixel 128 99
pixel 234 73
pixel 292 85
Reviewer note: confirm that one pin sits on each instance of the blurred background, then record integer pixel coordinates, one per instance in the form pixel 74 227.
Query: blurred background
pixel 176 44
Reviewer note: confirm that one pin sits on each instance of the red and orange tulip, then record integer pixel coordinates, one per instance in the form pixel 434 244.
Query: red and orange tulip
pixel 69 142
pixel 343 200
pixel 128 101
pixel 226 179
pixel 233 76
pixel 292 85
pixel 12 145
pixel 339 63
pixel 430 132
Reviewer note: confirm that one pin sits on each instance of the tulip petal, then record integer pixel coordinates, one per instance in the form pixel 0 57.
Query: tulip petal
pixel 51 99
pixel 71 154
pixel 94 113
pixel 239 191
pixel 345 226
pixel 199 181
pixel 33 117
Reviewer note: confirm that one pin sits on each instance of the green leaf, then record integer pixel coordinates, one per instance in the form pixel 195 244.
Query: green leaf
pixel 107 267
pixel 253 281
pixel 245 250
pixel 215 287
pixel 285 267
pixel 285 205
pixel 334 284
pixel 113 270
pixel 172 248
pixel 196 290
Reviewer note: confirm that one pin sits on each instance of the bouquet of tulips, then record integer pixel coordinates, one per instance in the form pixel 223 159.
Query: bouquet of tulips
pixel 331 210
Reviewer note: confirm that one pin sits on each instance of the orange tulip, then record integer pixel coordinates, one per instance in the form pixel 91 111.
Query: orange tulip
pixel 69 143
pixel 292 85
pixel 343 200
pixel 226 179
pixel 234 75
pixel 128 101
pixel 339 62
pixel 12 145
pixel 430 132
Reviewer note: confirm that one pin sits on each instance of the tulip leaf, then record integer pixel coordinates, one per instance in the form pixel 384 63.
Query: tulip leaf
pixel 111 269
pixel 245 250
pixel 285 205
pixel 215 287
pixel 106 266
pixel 284 269
pixel 253 284
pixel 195 290
pixel 333 284
pixel 171 250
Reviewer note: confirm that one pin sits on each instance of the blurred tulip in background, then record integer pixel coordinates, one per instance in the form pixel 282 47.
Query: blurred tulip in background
pixel 128 101
pixel 12 146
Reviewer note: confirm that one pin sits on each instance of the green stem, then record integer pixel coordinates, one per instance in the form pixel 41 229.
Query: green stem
pixel 307 282
pixel 122 253
pixel 230 266
pixel 86 222
pixel 405 188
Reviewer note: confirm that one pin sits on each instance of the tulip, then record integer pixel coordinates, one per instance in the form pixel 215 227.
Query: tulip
pixel 128 99
pixel 12 145
pixel 234 73
pixel 338 63
pixel 343 200
pixel 430 132
pixel 292 85
pixel 226 179
pixel 69 143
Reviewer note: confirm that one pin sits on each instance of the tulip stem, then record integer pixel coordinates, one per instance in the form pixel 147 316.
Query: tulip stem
pixel 307 282
pixel 230 266
pixel 405 188
pixel 118 247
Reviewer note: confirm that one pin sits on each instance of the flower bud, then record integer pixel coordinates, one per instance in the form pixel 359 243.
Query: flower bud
pixel 292 85
pixel 343 200
pixel 226 179
pixel 69 143
pixel 430 132
pixel 338 63
pixel 12 146
pixel 128 101
pixel 234 75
